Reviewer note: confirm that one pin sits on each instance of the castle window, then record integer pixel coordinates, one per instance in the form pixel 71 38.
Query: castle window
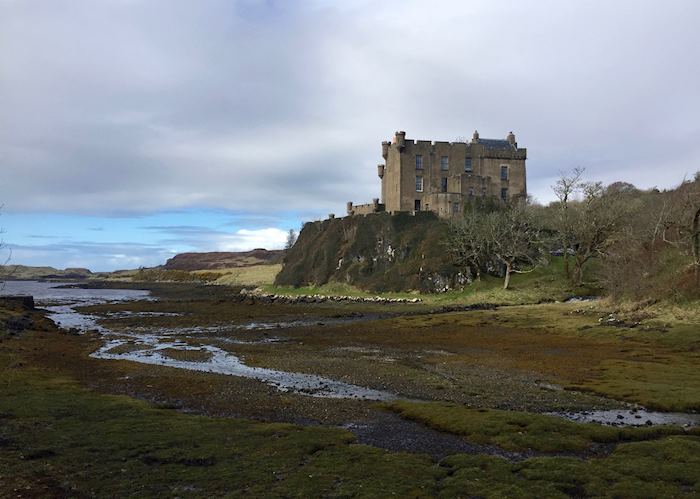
pixel 468 165
pixel 504 172
pixel 419 162
pixel 419 183
pixel 444 163
pixel 504 194
pixel 443 184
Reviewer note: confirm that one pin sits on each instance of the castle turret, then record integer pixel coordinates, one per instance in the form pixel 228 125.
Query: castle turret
pixel 380 171
pixel 511 139
pixel 475 136
pixel 385 149
pixel 400 140
pixel 350 210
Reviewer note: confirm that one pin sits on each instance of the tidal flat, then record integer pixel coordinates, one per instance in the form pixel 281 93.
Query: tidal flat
pixel 475 401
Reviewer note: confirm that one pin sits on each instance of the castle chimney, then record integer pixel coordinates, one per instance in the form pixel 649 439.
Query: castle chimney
pixel 350 210
pixel 385 149
pixel 511 139
pixel 475 136
pixel 380 171
pixel 400 140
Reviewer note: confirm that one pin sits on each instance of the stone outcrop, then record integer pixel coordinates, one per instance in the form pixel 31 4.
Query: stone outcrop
pixel 376 253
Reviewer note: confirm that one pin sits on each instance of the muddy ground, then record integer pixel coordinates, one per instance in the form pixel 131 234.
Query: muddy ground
pixel 524 360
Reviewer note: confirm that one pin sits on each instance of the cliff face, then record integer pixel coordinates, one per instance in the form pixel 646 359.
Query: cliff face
pixel 378 252
pixel 223 260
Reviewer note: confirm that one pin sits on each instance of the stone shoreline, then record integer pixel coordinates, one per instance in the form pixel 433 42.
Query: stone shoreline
pixel 259 295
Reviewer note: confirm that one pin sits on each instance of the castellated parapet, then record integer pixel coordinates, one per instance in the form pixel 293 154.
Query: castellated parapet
pixel 443 177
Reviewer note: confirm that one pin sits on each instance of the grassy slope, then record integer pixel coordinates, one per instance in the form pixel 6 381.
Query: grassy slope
pixel 543 284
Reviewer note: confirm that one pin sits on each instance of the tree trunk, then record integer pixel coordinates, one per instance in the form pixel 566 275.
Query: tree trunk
pixel 565 244
pixel 696 245
pixel 577 277
pixel 507 279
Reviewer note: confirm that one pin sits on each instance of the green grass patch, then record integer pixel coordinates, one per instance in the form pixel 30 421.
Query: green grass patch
pixel 57 439
pixel 254 275
pixel 665 468
pixel 521 431
pixel 666 384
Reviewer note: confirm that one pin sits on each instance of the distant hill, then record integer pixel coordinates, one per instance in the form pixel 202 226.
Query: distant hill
pixel 24 272
pixel 379 252
pixel 223 259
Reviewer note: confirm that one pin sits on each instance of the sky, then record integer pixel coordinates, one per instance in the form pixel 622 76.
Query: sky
pixel 132 130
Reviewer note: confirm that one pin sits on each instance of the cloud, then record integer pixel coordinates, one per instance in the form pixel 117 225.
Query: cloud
pixel 113 255
pixel 136 107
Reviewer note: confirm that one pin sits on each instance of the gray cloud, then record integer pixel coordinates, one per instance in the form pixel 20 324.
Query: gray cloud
pixel 132 107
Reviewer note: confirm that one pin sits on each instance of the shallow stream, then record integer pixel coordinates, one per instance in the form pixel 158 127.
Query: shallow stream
pixel 152 345
pixel 148 345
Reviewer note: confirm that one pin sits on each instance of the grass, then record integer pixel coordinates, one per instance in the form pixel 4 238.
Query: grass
pixel 58 438
pixel 664 468
pixel 522 431
pixel 543 284
pixel 254 275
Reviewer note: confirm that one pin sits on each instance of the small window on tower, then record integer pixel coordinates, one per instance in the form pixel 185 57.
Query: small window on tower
pixel 504 172
pixel 443 184
pixel 419 162
pixel 419 183
pixel 444 163
pixel 504 194
pixel 468 165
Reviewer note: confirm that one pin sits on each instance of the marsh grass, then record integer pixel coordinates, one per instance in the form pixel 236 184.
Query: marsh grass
pixel 58 439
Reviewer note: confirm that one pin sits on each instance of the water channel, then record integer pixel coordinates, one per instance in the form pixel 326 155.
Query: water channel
pixel 151 346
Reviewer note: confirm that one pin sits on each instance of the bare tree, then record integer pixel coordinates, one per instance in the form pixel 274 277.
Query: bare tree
pixel 564 189
pixel 291 239
pixel 468 244
pixel 514 240
pixel 596 222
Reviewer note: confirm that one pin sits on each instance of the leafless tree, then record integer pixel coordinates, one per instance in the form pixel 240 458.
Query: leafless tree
pixel 596 222
pixel 291 239
pixel 564 189
pixel 468 244
pixel 514 240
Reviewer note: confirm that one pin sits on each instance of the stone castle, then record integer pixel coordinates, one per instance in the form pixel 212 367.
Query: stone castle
pixel 442 177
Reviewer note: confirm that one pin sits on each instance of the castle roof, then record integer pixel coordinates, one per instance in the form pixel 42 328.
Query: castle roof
pixel 495 144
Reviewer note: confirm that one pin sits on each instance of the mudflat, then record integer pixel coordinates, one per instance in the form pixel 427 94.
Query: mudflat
pixel 199 392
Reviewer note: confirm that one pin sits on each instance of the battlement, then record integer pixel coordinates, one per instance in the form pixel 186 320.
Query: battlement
pixel 443 177
pixel 489 148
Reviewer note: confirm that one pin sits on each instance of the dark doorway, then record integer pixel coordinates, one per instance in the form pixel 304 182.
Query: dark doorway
pixel 416 205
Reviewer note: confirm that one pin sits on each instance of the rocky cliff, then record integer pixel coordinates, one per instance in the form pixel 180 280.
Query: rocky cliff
pixel 379 252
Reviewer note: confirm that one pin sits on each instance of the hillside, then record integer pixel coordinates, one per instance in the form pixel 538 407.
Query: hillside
pixel 223 260
pixel 377 253
pixel 23 272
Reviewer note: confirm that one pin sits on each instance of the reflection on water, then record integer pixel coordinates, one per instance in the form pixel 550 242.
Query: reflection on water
pixel 146 345
pixel 632 417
